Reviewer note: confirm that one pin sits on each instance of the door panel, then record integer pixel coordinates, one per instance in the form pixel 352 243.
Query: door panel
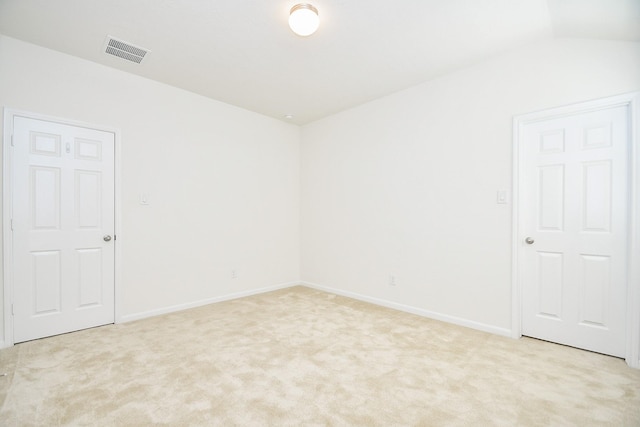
pixel 89 276
pixel 551 196
pixel 574 180
pixel 88 199
pixel 46 281
pixel 549 286
pixel 596 199
pixel 63 205
pixel 45 197
pixel 595 285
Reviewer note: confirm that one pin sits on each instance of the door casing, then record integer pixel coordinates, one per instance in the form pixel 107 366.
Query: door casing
pixel 632 102
pixel 7 214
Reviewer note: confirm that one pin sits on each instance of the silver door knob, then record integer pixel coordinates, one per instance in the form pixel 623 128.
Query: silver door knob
pixel 529 241
pixel 107 238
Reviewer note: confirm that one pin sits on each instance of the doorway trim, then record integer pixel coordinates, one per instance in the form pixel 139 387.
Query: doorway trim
pixel 7 209
pixel 632 324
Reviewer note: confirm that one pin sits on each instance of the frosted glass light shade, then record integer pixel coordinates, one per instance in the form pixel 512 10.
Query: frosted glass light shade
pixel 303 19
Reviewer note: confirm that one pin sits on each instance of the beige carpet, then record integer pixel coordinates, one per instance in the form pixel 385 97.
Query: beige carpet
pixel 304 357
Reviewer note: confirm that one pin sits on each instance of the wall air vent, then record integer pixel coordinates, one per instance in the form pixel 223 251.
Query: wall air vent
pixel 124 50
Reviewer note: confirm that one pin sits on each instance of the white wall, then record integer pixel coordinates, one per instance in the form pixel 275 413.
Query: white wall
pixel 406 184
pixel 223 182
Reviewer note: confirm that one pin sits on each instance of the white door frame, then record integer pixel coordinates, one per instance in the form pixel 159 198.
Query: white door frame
pixel 7 209
pixel 632 101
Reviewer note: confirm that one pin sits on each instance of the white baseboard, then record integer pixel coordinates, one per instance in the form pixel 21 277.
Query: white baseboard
pixel 414 310
pixel 199 303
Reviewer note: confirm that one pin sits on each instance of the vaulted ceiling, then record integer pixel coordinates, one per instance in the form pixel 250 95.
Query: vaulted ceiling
pixel 243 53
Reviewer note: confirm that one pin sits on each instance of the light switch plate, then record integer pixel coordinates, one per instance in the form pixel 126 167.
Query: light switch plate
pixel 502 197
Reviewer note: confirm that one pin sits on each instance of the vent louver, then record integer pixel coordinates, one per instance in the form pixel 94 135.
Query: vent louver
pixel 125 50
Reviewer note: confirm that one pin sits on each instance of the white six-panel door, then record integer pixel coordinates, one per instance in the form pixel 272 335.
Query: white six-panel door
pixel 63 225
pixel 573 214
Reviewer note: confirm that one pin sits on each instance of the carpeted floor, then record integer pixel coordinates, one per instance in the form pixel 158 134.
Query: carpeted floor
pixel 303 357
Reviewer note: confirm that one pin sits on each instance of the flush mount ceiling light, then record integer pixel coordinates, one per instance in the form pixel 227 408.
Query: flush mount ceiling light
pixel 303 19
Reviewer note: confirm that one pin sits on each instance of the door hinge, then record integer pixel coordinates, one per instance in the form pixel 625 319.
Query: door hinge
pixel 12 144
pixel 11 222
pixel 12 311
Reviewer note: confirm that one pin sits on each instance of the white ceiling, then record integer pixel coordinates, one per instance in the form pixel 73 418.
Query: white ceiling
pixel 243 53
